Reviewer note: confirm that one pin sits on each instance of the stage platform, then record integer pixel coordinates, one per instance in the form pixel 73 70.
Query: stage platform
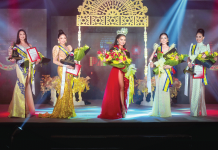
pixel 137 131
pixel 136 113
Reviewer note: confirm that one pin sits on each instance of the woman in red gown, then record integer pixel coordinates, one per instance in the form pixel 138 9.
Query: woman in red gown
pixel 114 105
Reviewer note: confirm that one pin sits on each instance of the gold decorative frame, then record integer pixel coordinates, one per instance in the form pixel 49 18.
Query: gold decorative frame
pixel 114 13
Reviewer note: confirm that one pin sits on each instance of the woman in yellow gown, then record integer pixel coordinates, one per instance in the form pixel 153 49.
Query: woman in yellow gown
pixel 64 107
pixel 22 103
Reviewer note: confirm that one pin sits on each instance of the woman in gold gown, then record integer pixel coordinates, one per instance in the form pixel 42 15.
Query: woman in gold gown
pixel 64 107
pixel 22 103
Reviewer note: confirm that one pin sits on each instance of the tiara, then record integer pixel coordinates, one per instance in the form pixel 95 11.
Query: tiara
pixel 123 31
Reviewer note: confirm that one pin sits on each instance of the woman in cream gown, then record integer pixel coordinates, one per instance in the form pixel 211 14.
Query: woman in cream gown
pixel 197 86
pixel 22 103
pixel 161 106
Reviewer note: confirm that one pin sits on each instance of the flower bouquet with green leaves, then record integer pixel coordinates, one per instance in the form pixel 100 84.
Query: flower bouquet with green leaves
pixel 116 58
pixel 171 58
pixel 80 52
pixel 208 61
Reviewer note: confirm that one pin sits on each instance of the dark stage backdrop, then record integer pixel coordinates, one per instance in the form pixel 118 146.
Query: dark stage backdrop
pixel 11 20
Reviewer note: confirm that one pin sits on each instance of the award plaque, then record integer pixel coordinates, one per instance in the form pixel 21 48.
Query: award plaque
pixel 33 54
pixel 74 71
pixel 199 72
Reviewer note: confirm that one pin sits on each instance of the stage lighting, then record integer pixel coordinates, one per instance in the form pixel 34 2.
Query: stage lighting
pixel 174 28
pixel 162 25
pixel 16 131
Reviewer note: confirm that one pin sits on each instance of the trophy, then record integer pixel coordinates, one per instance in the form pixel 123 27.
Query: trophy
pixel 69 60
pixel 190 71
pixel 15 54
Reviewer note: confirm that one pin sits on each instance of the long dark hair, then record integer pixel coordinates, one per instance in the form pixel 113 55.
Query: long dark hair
pixel 200 31
pixel 18 39
pixel 60 32
pixel 117 37
pixel 160 37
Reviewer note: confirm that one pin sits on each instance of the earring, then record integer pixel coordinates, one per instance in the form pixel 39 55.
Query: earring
pixel 58 42
pixel 117 43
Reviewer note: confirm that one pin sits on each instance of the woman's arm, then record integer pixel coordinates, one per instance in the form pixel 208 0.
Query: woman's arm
pixel 55 52
pixel 155 47
pixel 150 59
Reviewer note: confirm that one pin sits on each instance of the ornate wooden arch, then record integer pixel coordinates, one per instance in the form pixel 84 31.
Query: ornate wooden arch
pixel 116 13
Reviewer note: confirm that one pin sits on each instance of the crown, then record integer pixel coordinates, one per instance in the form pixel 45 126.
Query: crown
pixel 123 31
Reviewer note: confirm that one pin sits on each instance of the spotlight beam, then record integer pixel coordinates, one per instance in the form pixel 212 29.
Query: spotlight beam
pixel 162 24
pixel 169 29
pixel 177 21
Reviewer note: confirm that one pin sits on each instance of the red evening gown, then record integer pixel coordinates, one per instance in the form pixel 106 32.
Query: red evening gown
pixel 111 105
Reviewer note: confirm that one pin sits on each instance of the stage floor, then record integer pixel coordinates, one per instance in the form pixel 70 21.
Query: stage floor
pixel 136 113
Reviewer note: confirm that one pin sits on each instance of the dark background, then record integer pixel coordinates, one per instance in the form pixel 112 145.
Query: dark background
pixel 43 18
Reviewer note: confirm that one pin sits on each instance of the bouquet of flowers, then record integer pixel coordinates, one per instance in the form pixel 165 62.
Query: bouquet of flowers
pixel 171 58
pixel 76 54
pixel 79 53
pixel 117 58
pixel 208 61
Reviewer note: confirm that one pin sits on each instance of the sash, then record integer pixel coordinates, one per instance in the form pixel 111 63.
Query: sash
pixel 63 80
pixel 21 52
pixel 169 80
pixel 204 80
pixel 193 49
pixel 205 77
pixel 64 50
pixel 64 71
pixel 186 74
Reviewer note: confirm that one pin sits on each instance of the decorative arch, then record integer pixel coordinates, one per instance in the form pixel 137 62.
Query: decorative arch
pixel 128 13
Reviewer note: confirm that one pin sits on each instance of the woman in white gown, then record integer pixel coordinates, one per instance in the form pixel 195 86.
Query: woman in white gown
pixel 197 86
pixel 161 106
